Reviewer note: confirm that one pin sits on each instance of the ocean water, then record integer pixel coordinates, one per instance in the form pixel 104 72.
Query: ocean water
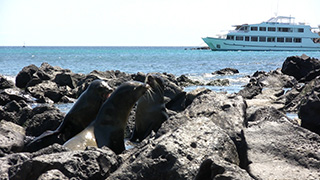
pixel 196 64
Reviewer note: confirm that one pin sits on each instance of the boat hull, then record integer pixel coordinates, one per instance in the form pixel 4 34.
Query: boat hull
pixel 218 44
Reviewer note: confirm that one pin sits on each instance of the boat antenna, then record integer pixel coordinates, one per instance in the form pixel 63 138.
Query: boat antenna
pixel 276 13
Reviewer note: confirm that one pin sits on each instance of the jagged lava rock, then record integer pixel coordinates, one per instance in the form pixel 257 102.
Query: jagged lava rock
pixel 92 163
pixel 25 75
pixel 5 83
pixel 42 118
pixel 226 71
pixel 299 66
pixel 309 111
pixel 11 137
pixel 179 153
pixel 280 149
pixel 300 93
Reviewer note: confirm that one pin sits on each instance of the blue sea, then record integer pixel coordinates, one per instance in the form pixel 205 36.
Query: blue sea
pixel 196 64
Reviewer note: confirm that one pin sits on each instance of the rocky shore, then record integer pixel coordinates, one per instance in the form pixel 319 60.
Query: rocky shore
pixel 209 135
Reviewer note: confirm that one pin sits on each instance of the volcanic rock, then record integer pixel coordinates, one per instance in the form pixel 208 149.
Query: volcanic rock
pixel 280 149
pixel 299 66
pixel 226 71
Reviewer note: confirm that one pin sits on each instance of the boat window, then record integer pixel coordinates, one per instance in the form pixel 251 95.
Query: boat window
pixel 300 30
pixel 244 28
pixel 288 39
pixel 262 39
pixel 254 28
pixel 271 29
pixel 316 40
pixel 254 38
pixel 280 39
pixel 230 37
pixel 239 38
pixel 262 28
pixel 297 40
pixel 247 38
pixel 284 29
pixel 271 39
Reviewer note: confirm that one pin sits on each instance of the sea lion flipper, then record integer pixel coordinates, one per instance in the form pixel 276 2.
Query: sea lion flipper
pixel 45 139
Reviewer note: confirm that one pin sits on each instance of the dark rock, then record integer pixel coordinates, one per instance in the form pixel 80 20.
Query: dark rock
pixel 65 79
pixel 54 148
pixel 43 75
pixel 252 89
pixel 66 99
pixel 49 84
pixel 114 79
pixel 276 79
pixel 42 118
pixel 299 66
pixel 266 89
pixel 53 174
pixel 120 77
pixel 217 169
pixel 226 111
pixel 89 164
pixel 13 106
pixel 279 148
pixel 300 93
pixel 219 82
pixel 52 70
pixel 226 71
pixel 268 97
pixel 25 75
pixel 178 103
pixel 48 89
pixel 140 76
pixel 312 75
pixel 179 153
pixel 199 48
pixel 11 137
pixel 8 116
pixel 184 81
pixel 12 163
pixel 195 93
pixel 5 83
pixel 8 95
pixel 309 112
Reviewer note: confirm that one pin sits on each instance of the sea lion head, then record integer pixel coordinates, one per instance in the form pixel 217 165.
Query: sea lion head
pixel 101 88
pixel 156 82
pixel 130 91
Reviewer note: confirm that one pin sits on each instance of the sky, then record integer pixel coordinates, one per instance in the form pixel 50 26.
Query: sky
pixel 137 22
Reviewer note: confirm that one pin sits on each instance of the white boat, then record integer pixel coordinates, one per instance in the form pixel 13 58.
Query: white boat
pixel 279 33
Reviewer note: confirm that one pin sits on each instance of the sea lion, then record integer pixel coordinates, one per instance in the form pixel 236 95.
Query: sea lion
pixel 82 113
pixel 108 127
pixel 151 111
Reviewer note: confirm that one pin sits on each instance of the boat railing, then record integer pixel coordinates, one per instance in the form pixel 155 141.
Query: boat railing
pixel 281 19
pixel 235 31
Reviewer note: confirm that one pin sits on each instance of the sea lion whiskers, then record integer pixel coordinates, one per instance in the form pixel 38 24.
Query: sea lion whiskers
pixel 149 93
pixel 159 88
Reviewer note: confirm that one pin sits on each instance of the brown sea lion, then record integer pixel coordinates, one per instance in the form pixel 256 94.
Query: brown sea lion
pixel 82 113
pixel 108 127
pixel 151 111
